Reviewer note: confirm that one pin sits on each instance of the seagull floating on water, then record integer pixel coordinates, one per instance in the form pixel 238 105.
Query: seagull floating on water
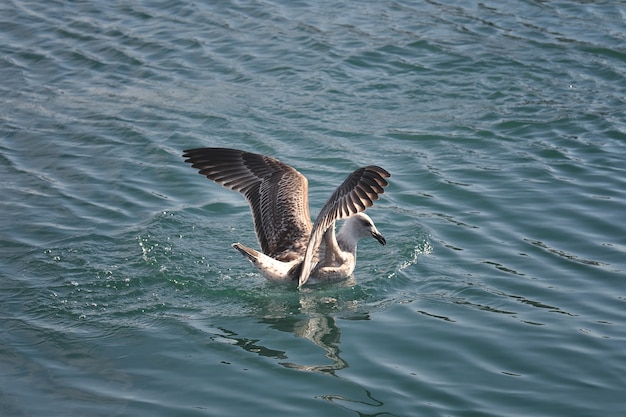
pixel 293 248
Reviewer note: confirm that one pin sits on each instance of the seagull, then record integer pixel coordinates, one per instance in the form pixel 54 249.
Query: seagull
pixel 291 247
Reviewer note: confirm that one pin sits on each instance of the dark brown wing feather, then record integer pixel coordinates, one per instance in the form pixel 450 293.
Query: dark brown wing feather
pixel 358 192
pixel 277 194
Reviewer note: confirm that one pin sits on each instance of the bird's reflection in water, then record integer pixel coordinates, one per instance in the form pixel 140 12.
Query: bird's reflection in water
pixel 311 316
pixel 316 323
pixel 323 332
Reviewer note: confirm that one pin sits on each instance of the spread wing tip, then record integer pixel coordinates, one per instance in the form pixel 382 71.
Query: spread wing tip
pixel 379 170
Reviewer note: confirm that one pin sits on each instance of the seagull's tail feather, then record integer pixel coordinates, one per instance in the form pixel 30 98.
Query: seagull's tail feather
pixel 249 253
pixel 272 269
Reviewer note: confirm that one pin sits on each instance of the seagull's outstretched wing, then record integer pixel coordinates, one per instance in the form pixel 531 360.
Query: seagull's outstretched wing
pixel 358 192
pixel 276 192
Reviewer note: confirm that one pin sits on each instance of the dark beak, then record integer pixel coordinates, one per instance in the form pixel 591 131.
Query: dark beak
pixel 379 238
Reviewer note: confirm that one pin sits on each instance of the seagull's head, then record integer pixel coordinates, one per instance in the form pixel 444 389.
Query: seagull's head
pixel 363 226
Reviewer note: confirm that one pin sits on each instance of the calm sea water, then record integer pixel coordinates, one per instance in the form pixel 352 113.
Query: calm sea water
pixel 501 291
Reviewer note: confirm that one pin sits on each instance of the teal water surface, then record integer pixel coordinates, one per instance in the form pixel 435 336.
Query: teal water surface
pixel 501 289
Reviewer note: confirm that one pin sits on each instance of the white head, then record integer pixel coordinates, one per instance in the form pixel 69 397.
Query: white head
pixel 356 227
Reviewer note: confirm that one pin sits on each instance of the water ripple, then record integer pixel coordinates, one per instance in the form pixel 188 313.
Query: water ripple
pixel 503 128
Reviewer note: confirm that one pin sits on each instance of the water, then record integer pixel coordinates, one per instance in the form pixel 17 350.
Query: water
pixel 500 292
